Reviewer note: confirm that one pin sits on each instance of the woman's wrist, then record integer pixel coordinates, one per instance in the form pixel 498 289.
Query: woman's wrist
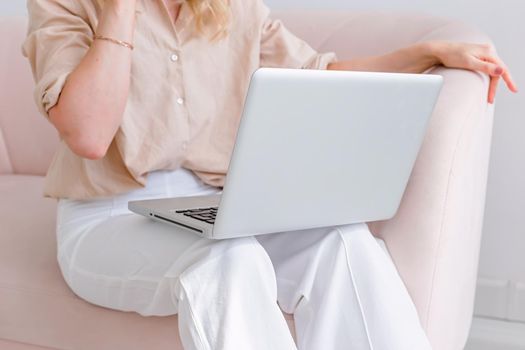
pixel 124 9
pixel 412 59
pixel 117 21
pixel 432 51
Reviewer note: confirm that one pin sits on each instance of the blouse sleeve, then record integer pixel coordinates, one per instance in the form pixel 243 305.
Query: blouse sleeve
pixel 57 40
pixel 281 48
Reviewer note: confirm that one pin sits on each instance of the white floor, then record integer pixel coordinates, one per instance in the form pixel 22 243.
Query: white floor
pixel 492 334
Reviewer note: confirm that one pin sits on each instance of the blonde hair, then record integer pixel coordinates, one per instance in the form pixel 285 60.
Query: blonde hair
pixel 212 17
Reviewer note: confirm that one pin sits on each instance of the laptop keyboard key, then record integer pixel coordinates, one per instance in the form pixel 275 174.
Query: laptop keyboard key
pixel 202 214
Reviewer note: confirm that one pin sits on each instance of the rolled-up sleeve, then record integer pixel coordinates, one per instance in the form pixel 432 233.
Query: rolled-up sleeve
pixel 57 39
pixel 281 48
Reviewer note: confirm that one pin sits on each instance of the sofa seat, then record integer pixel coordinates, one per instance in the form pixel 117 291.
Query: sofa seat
pixel 36 305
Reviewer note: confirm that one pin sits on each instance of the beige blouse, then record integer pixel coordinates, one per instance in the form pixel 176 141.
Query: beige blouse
pixel 186 94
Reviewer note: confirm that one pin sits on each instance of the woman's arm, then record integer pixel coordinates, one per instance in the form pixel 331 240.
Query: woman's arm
pixel 91 104
pixel 419 57
pixel 412 59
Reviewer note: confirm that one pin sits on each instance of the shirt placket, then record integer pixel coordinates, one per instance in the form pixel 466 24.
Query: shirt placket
pixel 174 54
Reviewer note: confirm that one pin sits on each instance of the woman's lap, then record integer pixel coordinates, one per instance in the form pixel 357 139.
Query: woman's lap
pixel 124 261
pixel 129 262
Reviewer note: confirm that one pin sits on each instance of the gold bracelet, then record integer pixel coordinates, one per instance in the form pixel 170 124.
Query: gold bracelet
pixel 119 42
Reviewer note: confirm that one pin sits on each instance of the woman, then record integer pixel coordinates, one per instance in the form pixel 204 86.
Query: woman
pixel 146 95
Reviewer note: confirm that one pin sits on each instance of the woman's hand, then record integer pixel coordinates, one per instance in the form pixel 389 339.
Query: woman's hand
pixel 419 57
pixel 478 57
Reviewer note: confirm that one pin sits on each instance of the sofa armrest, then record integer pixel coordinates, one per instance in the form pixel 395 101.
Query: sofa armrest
pixel 435 235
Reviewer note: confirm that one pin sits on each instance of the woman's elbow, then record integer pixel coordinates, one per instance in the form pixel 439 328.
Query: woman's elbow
pixel 85 147
pixel 81 140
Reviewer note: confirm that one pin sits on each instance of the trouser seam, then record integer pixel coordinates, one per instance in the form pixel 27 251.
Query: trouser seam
pixel 306 327
pixel 202 339
pixel 355 289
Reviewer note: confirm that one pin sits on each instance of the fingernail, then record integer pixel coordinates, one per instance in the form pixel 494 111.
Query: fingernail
pixel 498 71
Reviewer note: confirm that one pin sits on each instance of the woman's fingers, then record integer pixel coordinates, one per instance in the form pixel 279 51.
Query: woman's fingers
pixel 477 57
pixel 510 82
pixel 507 78
pixel 493 86
pixel 494 72
pixel 488 67
pixel 492 65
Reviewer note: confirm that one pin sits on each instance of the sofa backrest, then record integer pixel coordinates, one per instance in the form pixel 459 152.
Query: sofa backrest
pixel 27 139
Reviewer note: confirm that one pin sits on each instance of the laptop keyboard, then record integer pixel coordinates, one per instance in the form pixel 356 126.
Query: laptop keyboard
pixel 202 214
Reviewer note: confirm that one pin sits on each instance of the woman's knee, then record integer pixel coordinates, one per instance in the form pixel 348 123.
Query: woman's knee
pixel 358 236
pixel 238 261
pixel 355 234
pixel 245 254
pixel 352 237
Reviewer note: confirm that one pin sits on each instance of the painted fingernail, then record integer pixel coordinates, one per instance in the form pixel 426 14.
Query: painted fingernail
pixel 498 71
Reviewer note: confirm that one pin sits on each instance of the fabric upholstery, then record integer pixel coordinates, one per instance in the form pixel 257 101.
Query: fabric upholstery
pixel 6 344
pixel 433 239
pixel 27 140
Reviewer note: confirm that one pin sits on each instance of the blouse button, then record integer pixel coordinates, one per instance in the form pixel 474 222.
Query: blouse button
pixel 174 57
pixel 180 100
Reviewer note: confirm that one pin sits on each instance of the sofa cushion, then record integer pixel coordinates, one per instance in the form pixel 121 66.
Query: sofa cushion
pixel 36 306
pixel 7 344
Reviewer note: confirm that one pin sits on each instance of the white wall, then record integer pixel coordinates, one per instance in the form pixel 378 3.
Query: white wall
pixel 502 265
pixel 12 7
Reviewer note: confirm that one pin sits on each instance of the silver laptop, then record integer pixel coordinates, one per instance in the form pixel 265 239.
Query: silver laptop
pixel 314 148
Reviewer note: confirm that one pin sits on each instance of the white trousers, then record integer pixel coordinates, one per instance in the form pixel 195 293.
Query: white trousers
pixel 341 286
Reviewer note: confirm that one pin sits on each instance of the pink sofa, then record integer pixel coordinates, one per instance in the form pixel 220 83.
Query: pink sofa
pixel 434 238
